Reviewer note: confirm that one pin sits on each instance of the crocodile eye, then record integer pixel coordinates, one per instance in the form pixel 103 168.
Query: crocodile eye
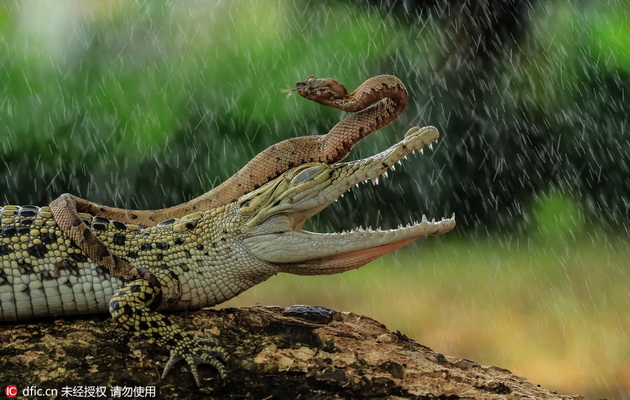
pixel 245 203
pixel 307 173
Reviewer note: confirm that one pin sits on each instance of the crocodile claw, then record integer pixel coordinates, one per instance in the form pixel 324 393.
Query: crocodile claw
pixel 203 353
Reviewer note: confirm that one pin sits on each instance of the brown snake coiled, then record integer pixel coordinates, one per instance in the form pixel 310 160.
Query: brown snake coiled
pixel 376 102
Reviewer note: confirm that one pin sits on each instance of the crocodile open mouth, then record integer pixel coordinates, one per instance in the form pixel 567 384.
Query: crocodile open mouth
pixel 279 238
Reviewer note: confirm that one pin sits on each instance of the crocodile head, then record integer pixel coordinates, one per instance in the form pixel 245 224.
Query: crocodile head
pixel 276 212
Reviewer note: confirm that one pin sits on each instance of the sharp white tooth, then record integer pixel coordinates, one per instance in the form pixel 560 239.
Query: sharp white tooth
pixel 433 221
pixel 453 217
pixel 421 151
pixel 385 174
pixel 375 181
pixel 393 167
pixel 424 218
pixel 431 145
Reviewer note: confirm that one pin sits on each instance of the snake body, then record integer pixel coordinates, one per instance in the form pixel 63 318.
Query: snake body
pixel 376 102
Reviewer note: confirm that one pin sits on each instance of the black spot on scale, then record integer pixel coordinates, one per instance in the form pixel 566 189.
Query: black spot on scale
pixel 4 250
pixel 178 241
pixel 144 326
pixel 25 268
pixel 101 220
pixel 132 254
pixel 145 246
pixel 162 246
pixel 68 265
pixel 48 238
pixel 159 256
pixel 135 288
pixel 119 225
pixel 128 310
pixel 114 305
pixel 47 276
pixel 119 239
pixel 200 247
pixel 9 231
pixel 27 212
pixel 26 221
pixel 79 257
pixel 99 227
pixel 4 279
pixel 167 222
pixel 37 250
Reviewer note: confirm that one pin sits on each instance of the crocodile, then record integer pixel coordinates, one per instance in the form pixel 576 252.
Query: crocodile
pixel 198 260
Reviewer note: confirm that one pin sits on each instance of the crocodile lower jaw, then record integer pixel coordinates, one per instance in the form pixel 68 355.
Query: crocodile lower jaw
pixel 305 247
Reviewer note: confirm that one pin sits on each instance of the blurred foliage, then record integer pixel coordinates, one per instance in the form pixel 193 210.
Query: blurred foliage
pixel 147 104
pixel 556 217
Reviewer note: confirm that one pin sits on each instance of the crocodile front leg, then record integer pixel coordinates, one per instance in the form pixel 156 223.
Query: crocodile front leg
pixel 133 308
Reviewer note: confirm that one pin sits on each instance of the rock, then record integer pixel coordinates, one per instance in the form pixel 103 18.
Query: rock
pixel 273 355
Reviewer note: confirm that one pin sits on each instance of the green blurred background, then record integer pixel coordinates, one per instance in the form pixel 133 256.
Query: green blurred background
pixel 148 104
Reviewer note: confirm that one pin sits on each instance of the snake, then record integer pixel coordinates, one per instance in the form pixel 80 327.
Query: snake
pixel 375 103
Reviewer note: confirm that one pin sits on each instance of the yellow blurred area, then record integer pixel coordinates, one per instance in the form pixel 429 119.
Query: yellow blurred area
pixel 554 313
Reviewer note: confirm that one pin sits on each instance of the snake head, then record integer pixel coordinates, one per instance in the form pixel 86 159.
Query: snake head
pixel 324 91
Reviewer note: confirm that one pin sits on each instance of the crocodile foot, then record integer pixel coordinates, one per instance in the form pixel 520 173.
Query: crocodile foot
pixel 204 352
